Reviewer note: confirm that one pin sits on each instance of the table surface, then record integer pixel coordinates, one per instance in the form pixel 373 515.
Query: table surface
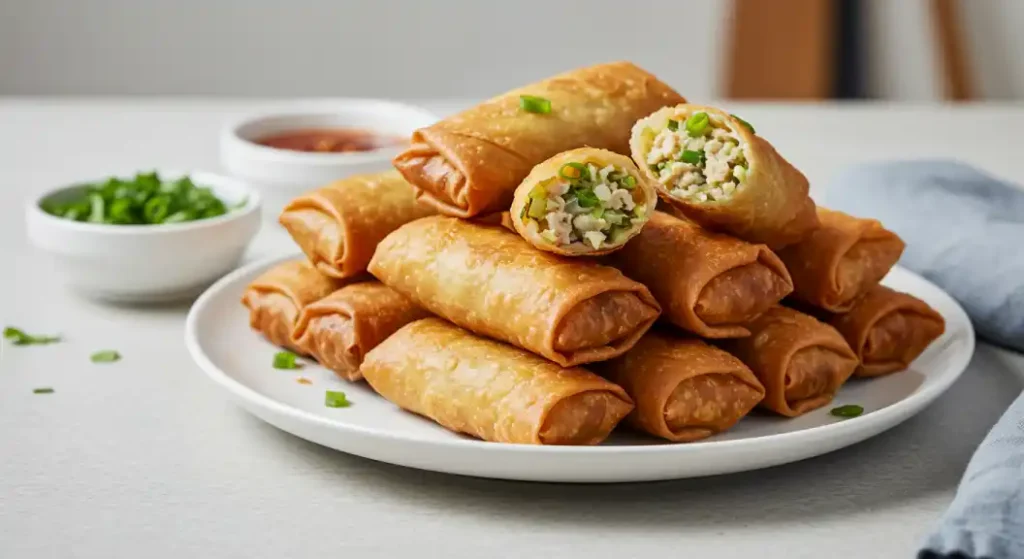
pixel 147 458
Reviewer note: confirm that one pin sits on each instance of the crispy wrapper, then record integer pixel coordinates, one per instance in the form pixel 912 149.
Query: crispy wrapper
pixel 491 390
pixel 801 361
pixel 276 298
pixel 841 260
pixel 549 169
pixel 471 163
pixel 490 281
pixel 338 226
pixel 706 283
pixel 888 330
pixel 771 206
pixel 341 328
pixel 683 388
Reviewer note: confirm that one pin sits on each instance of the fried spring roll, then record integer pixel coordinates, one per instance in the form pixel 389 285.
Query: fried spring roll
pixel 338 226
pixel 683 388
pixel 800 361
pixel 471 163
pixel 276 298
pixel 841 260
pixel 706 283
pixel 582 202
pixel 888 330
pixel 341 328
pixel 490 390
pixel 490 281
pixel 715 170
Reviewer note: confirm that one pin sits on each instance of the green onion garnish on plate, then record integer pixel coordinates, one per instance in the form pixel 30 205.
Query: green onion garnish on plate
pixel 847 411
pixel 286 360
pixel 19 337
pixel 46 390
pixel 336 399
pixel 533 104
pixel 105 356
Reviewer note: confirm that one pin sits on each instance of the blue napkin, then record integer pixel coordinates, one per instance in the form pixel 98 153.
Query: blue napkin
pixel 965 232
pixel 986 519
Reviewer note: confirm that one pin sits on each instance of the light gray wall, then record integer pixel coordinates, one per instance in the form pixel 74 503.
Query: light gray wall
pixel 438 48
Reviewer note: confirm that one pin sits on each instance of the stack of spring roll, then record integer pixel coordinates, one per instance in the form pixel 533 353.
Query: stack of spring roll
pixel 506 279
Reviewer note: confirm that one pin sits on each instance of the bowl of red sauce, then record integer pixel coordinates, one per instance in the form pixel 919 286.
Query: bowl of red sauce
pixel 287 151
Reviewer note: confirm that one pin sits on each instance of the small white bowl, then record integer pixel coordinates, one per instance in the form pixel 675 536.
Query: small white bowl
pixel 147 263
pixel 282 174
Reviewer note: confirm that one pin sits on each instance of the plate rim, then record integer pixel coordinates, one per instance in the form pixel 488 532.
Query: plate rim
pixel 885 418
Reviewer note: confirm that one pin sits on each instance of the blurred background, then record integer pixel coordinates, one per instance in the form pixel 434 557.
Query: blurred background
pixel 903 50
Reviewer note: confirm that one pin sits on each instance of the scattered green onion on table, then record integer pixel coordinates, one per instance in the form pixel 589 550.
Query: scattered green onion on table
pixel 145 199
pixel 19 337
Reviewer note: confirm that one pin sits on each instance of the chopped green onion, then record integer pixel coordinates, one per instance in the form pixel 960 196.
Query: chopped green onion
pixel 539 191
pixel 628 182
pixel 673 125
pixel 745 123
pixel 286 360
pixel 697 124
pixel 847 411
pixel 574 171
pixel 45 390
pixel 532 104
pixel 105 356
pixel 739 173
pixel 597 212
pixel 586 197
pixel 692 157
pixel 19 337
pixel 336 399
pixel 142 200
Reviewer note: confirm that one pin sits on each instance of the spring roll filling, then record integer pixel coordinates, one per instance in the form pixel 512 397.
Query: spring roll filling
pixel 697 160
pixel 586 206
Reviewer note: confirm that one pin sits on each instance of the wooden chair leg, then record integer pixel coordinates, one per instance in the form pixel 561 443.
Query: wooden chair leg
pixel 949 36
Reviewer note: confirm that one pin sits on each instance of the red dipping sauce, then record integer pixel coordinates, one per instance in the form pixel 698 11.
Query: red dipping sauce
pixel 330 140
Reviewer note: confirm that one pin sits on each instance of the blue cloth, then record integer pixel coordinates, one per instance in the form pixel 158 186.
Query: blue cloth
pixel 964 231
pixel 986 519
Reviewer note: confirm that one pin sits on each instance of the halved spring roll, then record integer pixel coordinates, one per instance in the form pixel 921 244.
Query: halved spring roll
pixel 715 170
pixel 471 163
pixel 341 328
pixel 841 260
pixel 888 330
pixel 490 390
pixel 683 388
pixel 800 361
pixel 490 281
pixel 582 202
pixel 276 298
pixel 707 283
pixel 338 226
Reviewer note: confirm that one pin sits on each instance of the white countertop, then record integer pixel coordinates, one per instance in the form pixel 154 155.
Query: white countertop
pixel 146 458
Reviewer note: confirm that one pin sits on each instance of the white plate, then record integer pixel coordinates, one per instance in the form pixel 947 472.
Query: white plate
pixel 218 337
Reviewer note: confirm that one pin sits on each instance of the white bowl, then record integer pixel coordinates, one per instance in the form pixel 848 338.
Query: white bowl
pixel 281 174
pixel 147 263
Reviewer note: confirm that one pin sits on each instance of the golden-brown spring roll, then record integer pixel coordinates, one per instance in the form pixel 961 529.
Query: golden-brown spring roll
pixel 800 361
pixel 707 283
pixel 276 298
pixel 490 281
pixel 888 330
pixel 683 388
pixel 715 170
pixel 341 328
pixel 471 163
pixel 338 226
pixel 491 390
pixel 840 260
pixel 585 201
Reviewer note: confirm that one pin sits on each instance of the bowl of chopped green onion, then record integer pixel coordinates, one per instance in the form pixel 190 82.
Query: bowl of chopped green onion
pixel 150 236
